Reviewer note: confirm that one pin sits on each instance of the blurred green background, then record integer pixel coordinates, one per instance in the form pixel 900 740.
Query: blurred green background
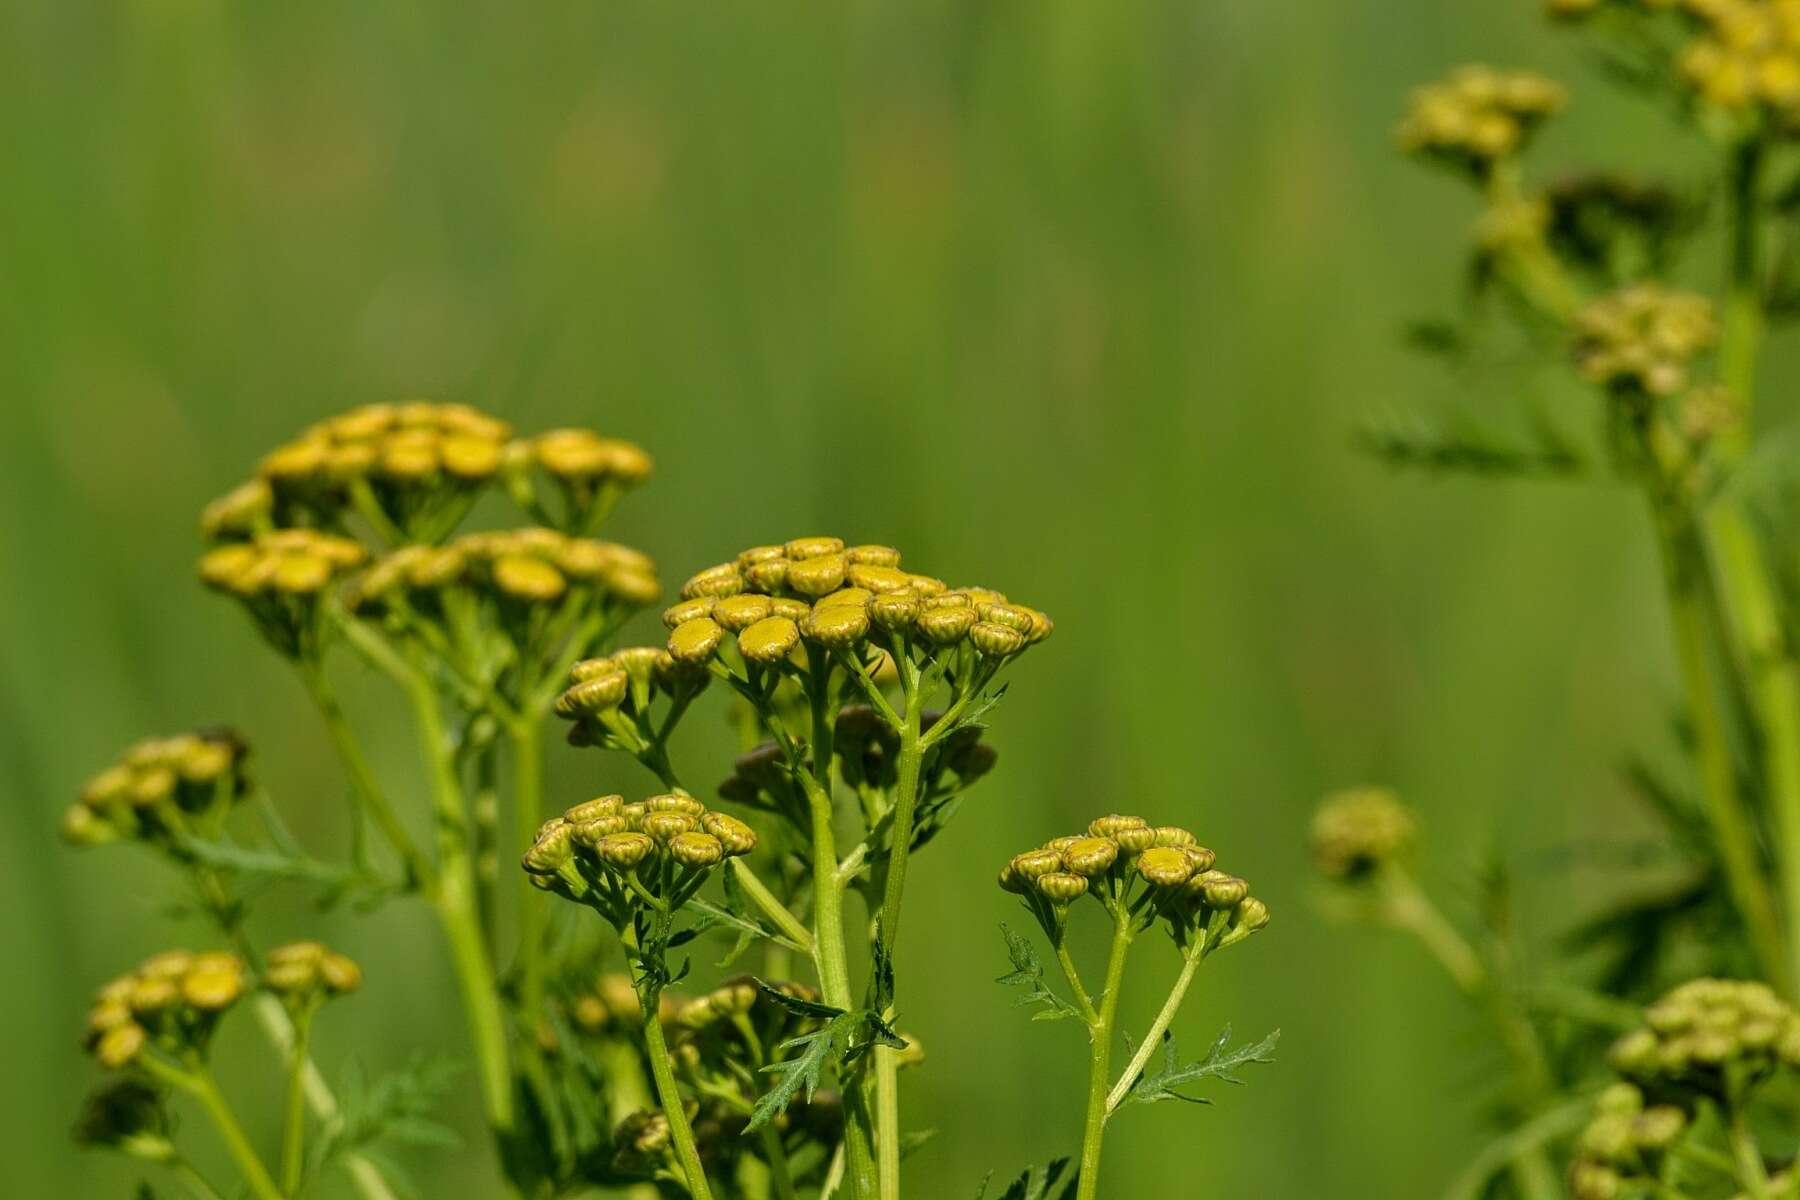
pixel 1081 300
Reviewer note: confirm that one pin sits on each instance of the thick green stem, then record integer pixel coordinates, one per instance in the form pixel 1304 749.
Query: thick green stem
pixel 900 835
pixel 528 801
pixel 1409 908
pixel 1153 1038
pixel 363 784
pixel 454 898
pixel 293 1125
pixel 680 1132
pixel 1725 809
pixel 1100 1034
pixel 759 894
pixel 197 1082
pixel 1761 644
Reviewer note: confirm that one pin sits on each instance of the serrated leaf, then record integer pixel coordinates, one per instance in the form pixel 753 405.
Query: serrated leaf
pixel 1220 1062
pixel 1035 1183
pixel 795 1005
pixel 394 1109
pixel 1028 973
pixel 802 1072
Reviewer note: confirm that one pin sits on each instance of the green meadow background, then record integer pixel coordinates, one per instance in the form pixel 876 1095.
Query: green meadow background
pixel 1082 300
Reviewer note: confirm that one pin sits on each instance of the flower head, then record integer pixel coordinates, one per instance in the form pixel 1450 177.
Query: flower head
pixel 1358 831
pixel 160 788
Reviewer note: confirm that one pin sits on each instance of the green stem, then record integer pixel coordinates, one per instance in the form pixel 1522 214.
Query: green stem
pixel 1725 810
pixel 900 835
pixel 293 1128
pixel 759 894
pixel 779 1172
pixel 454 898
pixel 367 791
pixel 1100 1034
pixel 1153 1038
pixel 663 1072
pixel 1409 908
pixel 1752 1174
pixel 528 801
pixel 198 1082
pixel 193 1180
pixel 1742 311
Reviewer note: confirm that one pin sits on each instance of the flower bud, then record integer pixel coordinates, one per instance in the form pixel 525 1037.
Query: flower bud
pixel 596 695
pixel 237 512
pixel 837 627
pixel 1135 841
pixel 623 851
pixel 1658 1128
pixel 696 850
pixel 873 556
pixel 675 802
pixel 878 579
pixel 695 641
pixel 1164 867
pixel 759 554
pixel 572 455
pixel 770 576
pixel 665 826
pixel 528 579
pixel 215 982
pixel 587 834
pixel 894 610
pixel 82 826
pixel 946 626
pixel 1034 864
pixel 769 640
pixel 1090 856
pixel 996 641
pixel 1112 825
pixel 813 547
pixel 816 576
pixel 470 458
pixel 722 580
pixel 677 615
pixel 590 810
pixel 738 613
pixel 1059 887
pixel 551 851
pixel 1251 915
pixel 1219 890
pixel 119 1047
pixel 150 996
pixel 736 837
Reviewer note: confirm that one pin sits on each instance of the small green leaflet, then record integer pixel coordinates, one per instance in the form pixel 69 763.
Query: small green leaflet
pixel 1036 1183
pixel 1028 973
pixel 1219 1063
pixel 849 1034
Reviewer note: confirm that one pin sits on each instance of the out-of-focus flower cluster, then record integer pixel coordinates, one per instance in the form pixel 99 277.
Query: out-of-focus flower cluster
pixel 1478 115
pixel 615 856
pixel 1643 336
pixel 508 580
pixel 160 788
pixel 1116 856
pixel 171 1001
pixel 1621 1150
pixel 1741 56
pixel 303 973
pixel 280 578
pixel 1358 831
pixel 1710 1037
pixel 838 597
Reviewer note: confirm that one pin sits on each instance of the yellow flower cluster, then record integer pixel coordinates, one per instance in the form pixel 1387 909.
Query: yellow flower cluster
pixel 1118 851
pixel 1623 1146
pixel 1644 336
pixel 1708 1028
pixel 173 999
pixel 395 445
pixel 525 566
pixel 1478 115
pixel 611 852
pixel 583 457
pixel 1357 831
pixel 838 597
pixel 295 564
pixel 301 973
pixel 158 785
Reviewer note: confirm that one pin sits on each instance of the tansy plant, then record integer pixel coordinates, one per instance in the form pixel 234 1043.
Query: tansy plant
pixel 859 690
pixel 1609 336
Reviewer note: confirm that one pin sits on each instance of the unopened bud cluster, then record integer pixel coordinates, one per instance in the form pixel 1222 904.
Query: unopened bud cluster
pixel 1741 56
pixel 1709 1035
pixel 819 591
pixel 627 678
pixel 1116 854
pixel 287 564
pixel 1621 1150
pixel 1478 115
pixel 159 787
pixel 303 973
pixel 172 1001
pixel 521 568
pixel 610 853
pixel 1644 336
pixel 1358 831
